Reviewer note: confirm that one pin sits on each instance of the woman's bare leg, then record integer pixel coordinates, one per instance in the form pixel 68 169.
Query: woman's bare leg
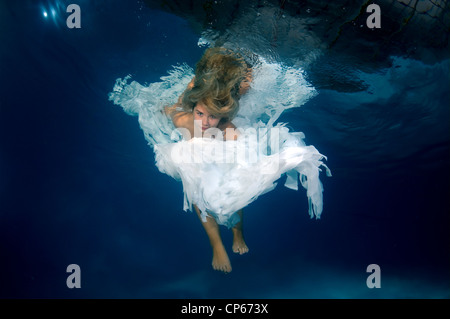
pixel 220 259
pixel 239 245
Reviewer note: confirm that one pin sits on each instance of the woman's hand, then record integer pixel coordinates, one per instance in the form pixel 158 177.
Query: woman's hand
pixel 245 84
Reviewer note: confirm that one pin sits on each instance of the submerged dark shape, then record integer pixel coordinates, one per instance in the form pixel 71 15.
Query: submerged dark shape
pixel 302 32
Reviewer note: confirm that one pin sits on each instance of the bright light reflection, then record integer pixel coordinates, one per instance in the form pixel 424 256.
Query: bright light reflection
pixel 45 14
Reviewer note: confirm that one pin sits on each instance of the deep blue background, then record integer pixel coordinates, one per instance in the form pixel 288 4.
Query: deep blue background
pixel 78 183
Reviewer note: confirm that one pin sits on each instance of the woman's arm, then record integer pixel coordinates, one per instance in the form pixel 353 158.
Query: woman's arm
pixel 170 111
pixel 179 118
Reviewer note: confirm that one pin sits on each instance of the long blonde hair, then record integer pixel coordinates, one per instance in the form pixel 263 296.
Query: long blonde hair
pixel 218 76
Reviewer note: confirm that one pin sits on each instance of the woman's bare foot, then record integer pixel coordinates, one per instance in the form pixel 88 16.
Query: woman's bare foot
pixel 220 261
pixel 239 245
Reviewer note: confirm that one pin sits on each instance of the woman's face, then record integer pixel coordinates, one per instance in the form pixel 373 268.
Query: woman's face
pixel 203 117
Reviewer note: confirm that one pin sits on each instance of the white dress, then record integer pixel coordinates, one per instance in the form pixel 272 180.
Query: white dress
pixel 221 177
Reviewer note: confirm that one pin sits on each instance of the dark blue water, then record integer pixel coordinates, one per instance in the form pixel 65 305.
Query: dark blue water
pixel 78 184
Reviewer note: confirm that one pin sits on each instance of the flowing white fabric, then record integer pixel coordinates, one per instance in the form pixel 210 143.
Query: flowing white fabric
pixel 221 177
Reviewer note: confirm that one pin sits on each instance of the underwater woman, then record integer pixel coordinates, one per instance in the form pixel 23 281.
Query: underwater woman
pixel 210 102
pixel 195 141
